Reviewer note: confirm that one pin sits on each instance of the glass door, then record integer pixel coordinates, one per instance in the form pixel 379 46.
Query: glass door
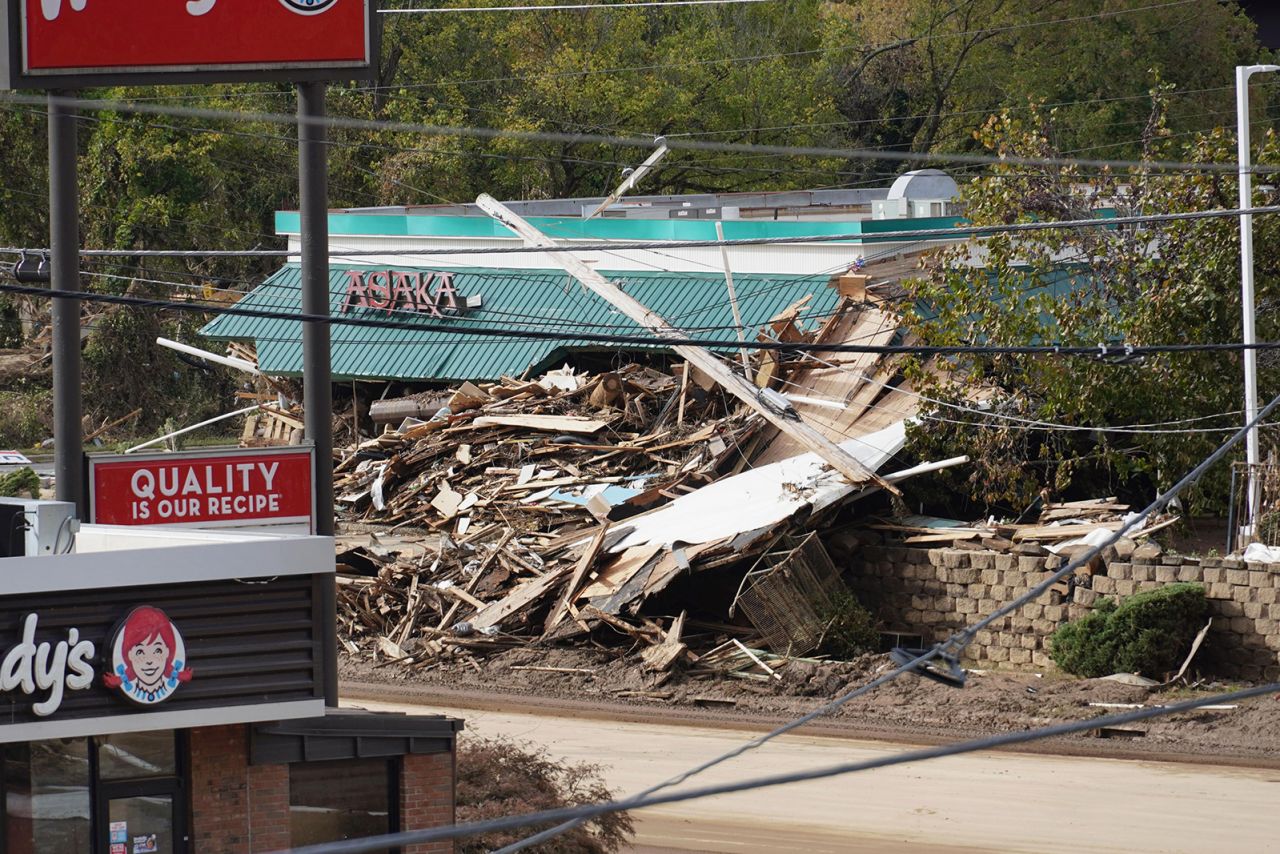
pixel 142 824
pixel 140 804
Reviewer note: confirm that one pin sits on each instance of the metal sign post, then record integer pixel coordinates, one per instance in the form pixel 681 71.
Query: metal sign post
pixel 317 386
pixel 64 243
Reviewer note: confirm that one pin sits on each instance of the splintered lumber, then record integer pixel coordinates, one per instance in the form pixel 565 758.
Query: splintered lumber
pixel 519 599
pixel 812 440
pixel 661 657
pixel 751 655
pixel 585 560
pixel 105 427
pixel 547 423
pixel 1062 532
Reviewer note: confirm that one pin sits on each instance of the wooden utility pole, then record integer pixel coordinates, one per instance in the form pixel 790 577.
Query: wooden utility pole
pixel 733 298
pixel 629 182
pixel 839 459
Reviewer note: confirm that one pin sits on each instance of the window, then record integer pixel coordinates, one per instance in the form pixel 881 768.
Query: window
pixel 94 795
pixel 47 802
pixel 345 799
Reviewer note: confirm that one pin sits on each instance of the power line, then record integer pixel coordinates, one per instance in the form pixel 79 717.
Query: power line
pixel 1020 423
pixel 1103 351
pixel 862 238
pixel 866 49
pixel 950 651
pixel 73 103
pixel 587 812
pixel 564 7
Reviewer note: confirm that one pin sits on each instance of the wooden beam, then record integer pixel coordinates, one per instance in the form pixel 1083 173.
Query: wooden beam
pixel 805 434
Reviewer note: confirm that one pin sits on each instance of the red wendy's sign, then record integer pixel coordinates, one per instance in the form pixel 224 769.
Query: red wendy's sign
pixel 65 41
pixel 202 489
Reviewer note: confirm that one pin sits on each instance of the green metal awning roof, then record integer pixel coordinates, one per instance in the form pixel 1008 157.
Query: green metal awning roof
pixel 545 300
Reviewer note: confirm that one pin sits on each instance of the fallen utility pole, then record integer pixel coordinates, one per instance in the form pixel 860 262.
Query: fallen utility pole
pixel 633 178
pixel 706 361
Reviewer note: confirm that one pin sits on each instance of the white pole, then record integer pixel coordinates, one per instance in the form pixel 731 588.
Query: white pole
pixel 1247 307
pixel 214 420
pixel 229 361
pixel 733 297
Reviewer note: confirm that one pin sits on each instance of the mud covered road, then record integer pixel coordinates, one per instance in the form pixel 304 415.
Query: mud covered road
pixel 999 801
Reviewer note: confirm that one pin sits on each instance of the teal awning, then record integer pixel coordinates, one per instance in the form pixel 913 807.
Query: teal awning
pixel 452 351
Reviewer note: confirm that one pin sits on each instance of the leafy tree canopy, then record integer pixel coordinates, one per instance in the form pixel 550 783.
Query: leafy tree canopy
pixel 1170 283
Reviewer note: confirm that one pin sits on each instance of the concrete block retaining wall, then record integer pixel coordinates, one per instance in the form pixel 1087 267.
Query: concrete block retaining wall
pixel 933 592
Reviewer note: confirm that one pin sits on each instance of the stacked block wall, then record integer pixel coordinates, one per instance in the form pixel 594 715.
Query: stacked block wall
pixel 934 592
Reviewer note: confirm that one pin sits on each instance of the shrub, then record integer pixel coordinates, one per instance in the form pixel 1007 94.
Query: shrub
pixel 851 630
pixel 23 482
pixel 499 777
pixel 26 417
pixel 1148 633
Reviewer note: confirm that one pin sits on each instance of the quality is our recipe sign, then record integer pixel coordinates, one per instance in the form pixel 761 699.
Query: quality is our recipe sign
pixel 208 489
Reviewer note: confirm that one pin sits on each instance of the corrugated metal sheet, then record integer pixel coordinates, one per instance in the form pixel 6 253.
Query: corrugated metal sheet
pixel 513 300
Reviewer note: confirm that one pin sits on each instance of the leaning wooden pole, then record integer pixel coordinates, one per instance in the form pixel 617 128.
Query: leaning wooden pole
pixel 706 361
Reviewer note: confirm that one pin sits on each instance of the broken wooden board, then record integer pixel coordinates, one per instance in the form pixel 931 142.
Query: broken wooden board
pixel 517 600
pixel 546 423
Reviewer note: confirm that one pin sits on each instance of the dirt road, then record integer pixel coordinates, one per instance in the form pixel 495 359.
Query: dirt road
pixel 978 803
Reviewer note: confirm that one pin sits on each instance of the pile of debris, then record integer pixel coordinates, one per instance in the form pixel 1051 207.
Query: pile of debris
pixel 1059 528
pixel 523 482
pixel 529 511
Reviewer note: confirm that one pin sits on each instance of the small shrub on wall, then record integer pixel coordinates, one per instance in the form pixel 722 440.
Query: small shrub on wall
pixel 1149 633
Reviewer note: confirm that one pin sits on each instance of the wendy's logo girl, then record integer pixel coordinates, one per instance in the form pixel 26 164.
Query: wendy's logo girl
pixel 148 658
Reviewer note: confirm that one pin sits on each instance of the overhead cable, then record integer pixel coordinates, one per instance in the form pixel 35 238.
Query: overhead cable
pixel 916 235
pixel 562 7
pixel 587 812
pixel 1109 350
pixel 114 105
pixel 950 649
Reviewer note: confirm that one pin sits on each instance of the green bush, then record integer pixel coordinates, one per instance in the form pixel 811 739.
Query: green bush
pixel 21 483
pixel 851 630
pixel 26 417
pixel 1148 633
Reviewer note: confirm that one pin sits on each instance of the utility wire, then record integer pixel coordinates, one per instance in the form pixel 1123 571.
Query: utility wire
pixel 950 651
pixel 1104 351
pixel 74 103
pixel 848 47
pixel 376 843
pixel 915 235
pixel 1020 423
pixel 563 7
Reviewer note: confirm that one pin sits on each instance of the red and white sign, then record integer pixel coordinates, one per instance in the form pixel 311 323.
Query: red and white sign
pixel 252 486
pixel 96 36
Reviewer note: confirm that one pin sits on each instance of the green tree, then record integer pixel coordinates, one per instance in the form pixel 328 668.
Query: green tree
pixel 1148 284
pixel 931 70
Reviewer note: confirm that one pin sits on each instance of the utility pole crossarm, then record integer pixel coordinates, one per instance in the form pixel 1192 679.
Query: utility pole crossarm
pixel 838 458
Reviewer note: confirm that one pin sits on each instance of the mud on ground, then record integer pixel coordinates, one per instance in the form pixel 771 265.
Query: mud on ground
pixel 604 683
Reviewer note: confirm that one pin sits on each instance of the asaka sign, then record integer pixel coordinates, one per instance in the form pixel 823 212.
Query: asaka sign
pixel 79 42
pixel 205 489
pixel 432 294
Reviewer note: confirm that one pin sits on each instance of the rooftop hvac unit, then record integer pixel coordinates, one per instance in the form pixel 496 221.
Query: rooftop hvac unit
pixel 36 528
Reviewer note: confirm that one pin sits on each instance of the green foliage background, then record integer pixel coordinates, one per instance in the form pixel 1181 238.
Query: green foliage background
pixel 900 76
pixel 1175 283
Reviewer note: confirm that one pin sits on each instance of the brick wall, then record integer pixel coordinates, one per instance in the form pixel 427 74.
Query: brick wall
pixel 427 797
pixel 933 592
pixel 235 807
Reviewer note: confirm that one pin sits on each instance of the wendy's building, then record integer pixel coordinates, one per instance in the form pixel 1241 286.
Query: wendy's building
pixel 162 690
